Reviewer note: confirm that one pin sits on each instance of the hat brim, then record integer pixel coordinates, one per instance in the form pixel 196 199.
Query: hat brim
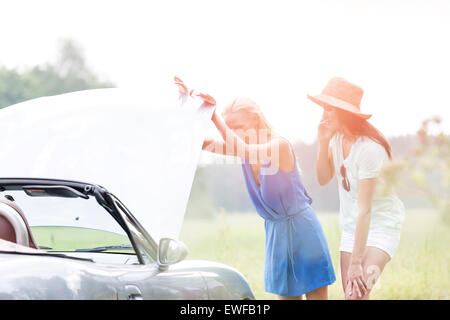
pixel 325 100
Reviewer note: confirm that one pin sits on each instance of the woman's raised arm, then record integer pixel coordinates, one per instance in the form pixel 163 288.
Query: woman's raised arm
pixel 277 150
pixel 324 162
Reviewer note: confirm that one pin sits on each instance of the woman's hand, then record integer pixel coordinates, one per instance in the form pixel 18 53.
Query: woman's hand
pixel 325 132
pixel 355 281
pixel 214 115
pixel 206 143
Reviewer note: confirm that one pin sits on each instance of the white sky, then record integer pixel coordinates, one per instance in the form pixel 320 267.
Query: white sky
pixel 274 52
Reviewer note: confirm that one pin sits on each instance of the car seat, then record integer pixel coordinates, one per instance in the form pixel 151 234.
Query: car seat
pixel 14 226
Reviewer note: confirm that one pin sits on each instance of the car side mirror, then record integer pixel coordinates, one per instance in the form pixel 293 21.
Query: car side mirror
pixel 170 251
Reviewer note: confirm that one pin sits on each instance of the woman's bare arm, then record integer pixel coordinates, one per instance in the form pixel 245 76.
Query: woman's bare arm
pixel 324 163
pixel 216 146
pixel 366 191
pixel 276 150
pixel 238 147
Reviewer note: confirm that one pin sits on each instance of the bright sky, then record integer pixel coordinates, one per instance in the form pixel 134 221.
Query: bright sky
pixel 274 52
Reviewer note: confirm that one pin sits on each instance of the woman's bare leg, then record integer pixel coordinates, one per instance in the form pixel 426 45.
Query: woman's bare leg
pixel 289 298
pixel 318 294
pixel 373 264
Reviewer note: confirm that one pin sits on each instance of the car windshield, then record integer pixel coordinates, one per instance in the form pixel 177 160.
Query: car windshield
pixel 71 224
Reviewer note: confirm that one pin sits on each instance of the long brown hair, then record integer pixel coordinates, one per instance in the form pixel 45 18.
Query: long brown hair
pixel 361 127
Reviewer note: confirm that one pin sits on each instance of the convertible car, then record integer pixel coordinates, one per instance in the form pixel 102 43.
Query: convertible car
pixel 65 239
pixel 74 240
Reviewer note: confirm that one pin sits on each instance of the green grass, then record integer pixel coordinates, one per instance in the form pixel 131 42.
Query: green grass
pixel 419 269
pixel 72 238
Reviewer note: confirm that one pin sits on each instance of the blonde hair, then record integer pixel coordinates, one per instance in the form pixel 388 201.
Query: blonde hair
pixel 247 105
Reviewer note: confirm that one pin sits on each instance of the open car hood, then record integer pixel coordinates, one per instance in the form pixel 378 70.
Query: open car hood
pixel 141 146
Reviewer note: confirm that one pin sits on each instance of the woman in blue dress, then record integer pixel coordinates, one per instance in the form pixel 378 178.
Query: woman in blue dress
pixel 297 259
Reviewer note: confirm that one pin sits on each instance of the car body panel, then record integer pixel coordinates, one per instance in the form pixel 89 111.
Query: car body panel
pixel 27 273
pixel 55 278
pixel 222 281
pixel 51 278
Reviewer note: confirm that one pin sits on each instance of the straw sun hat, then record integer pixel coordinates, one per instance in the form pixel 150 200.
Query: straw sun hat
pixel 342 94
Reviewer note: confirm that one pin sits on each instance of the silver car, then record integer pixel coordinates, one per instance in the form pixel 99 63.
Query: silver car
pixel 74 240
pixel 64 239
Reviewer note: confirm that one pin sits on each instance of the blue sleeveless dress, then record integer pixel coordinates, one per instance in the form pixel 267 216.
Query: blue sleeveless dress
pixel 297 259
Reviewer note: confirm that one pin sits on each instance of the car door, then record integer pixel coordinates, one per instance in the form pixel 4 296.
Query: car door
pixel 150 281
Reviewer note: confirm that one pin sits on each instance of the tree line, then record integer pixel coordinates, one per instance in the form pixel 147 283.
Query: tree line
pixel 219 186
pixel 69 73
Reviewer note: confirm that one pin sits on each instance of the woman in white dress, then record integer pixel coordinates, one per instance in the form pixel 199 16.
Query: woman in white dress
pixel 370 217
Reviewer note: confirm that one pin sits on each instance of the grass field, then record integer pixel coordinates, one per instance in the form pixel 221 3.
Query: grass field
pixel 419 270
pixel 72 238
